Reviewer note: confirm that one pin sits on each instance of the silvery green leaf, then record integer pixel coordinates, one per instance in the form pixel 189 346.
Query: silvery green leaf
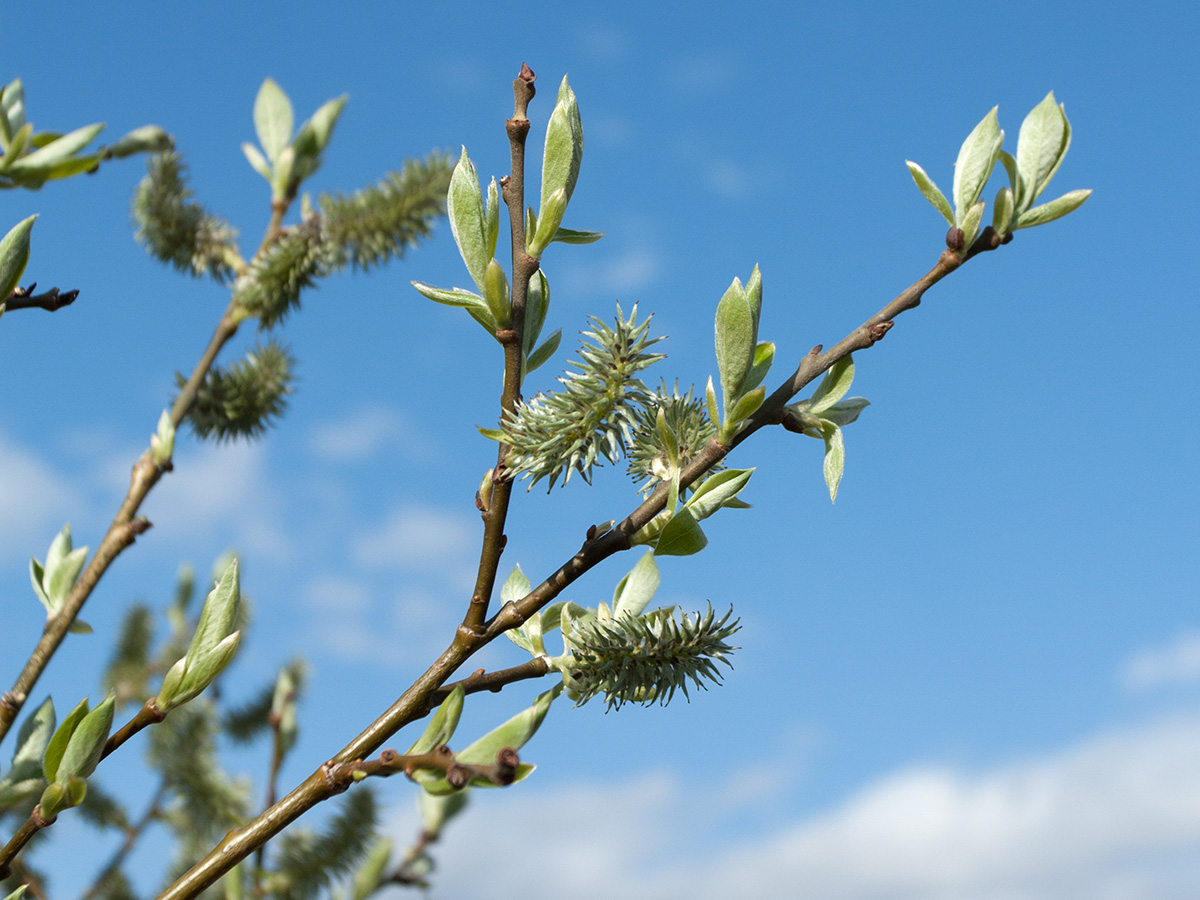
pixel 551 616
pixel 452 297
pixel 53 801
pixel 1014 176
pixel 746 406
pixel 146 139
pixel 764 355
pixel 970 225
pixel 635 591
pixel 18 893
pixel 735 342
pixel 16 146
pixel 649 533
pixel 14 104
pixel 833 386
pixel 1041 146
pixel 273 119
pixel 495 292
pixel 514 733
pixel 313 136
pixel 442 724
pixel 754 298
pixel 666 438
pixel 285 164
pixel 37 575
pixel 204 670
pixel 974 164
pixel 681 536
pixel 162 442
pixel 25 778
pixel 930 190
pixel 63 577
pixel 83 750
pixel 491 219
pixel 257 161
pixel 1002 211
pixel 6 129
pixel 835 459
pixel 537 302
pixel 369 877
pixel 717 491
pixel 710 399
pixel 464 208
pixel 546 350
pixel 217 616
pixel 436 811
pixel 550 216
pixel 14 255
pixel 567 236
pixel 169 693
pixel 57 744
pixel 1055 209
pixel 57 151
pixel 530 221
pixel 515 586
pixel 845 412
pixel 492 434
pixel 563 151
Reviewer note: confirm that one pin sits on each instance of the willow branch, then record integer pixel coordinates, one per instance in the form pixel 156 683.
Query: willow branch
pixel 479 681
pixel 25 833
pixel 495 513
pixel 148 715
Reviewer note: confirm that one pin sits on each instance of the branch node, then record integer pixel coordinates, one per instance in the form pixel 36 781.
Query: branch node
pixel 876 332
pixel 816 351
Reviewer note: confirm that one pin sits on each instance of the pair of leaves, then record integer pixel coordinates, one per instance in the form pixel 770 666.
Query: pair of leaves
pixel 742 361
pixel 286 160
pixel 53 581
pixel 213 645
pixel 825 413
pixel 72 754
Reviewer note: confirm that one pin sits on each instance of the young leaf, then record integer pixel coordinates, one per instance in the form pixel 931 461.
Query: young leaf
pixel 273 119
pixel 764 356
pixel 975 160
pixel 833 386
pixel 1002 211
pixel 635 591
pixel 257 161
pixel 442 724
pixel 970 225
pixel 563 152
pixel 567 236
pixel 1041 145
pixel 464 206
pixel 717 491
pixel 735 341
pixel 930 191
pixel 57 745
pixel 835 459
pixel 14 256
pixel 57 151
pixel 1055 209
pixel 544 351
pixel 681 536
pixel 83 751
pixel 452 297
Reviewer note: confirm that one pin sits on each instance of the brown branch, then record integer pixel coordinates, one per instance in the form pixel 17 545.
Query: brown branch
pixel 501 772
pixel 148 715
pixel 25 833
pixel 512 339
pixel 52 300
pixel 479 681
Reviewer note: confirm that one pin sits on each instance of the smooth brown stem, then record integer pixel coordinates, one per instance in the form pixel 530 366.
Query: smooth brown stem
pixel 148 715
pixel 122 532
pixel 512 339
pixel 480 680
pixel 25 833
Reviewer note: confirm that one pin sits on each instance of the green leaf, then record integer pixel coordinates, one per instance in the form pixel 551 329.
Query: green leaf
pixel 735 341
pixel 14 256
pixel 83 751
pixel 25 777
pixel 710 399
pixel 313 136
pixel 56 151
pixel 976 158
pixel 273 119
pixel 681 536
pixel 717 491
pixel 62 736
pixel 970 225
pixel 833 386
pixel 537 302
pixel 764 356
pixel 543 352
pixel 1055 209
pixel 491 218
pixel 515 587
pixel 14 104
pixel 550 216
pixel 1041 145
pixel 146 139
pixel 835 459
pixel 64 575
pixel 442 724
pixel 492 434
pixel 1015 181
pixel 452 297
pixel 495 292
pixel 746 406
pixel 257 161
pixel 514 733
pixel 18 893
pixel 16 146
pixel 218 614
pixel 563 152
pixel 1002 211
pixel 464 206
pixel 635 591
pixel 436 811
pixel 567 236
pixel 845 412
pixel 930 191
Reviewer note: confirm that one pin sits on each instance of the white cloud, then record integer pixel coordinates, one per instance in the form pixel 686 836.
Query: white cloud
pixel 632 271
pixel 417 537
pixel 364 433
pixel 353 624
pixel 1115 817
pixel 36 500
pixel 1175 663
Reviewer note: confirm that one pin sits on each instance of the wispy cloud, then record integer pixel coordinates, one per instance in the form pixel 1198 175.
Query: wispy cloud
pixel 365 432
pixel 1175 663
pixel 1116 816
pixel 35 500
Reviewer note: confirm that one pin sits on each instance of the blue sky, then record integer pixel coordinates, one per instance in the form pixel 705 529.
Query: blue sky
pixel 976 676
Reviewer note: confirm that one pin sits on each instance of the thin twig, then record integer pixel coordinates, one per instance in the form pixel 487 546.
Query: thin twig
pixel 148 715
pixel 52 300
